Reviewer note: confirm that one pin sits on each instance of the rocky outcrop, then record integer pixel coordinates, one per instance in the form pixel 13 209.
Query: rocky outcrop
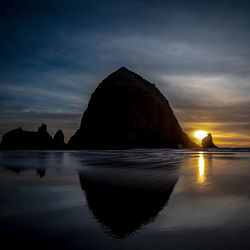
pixel 207 142
pixel 44 139
pixel 58 140
pixel 20 139
pixel 126 111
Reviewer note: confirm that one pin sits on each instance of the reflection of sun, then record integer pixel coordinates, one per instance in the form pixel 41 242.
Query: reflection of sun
pixel 201 166
pixel 200 134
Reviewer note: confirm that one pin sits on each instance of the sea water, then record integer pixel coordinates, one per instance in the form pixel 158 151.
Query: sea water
pixel 132 199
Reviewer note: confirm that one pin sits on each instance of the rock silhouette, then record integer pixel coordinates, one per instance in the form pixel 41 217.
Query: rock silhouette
pixel 207 142
pixel 58 140
pixel 44 139
pixel 126 111
pixel 20 139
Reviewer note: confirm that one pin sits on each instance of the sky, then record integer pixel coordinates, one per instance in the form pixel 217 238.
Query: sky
pixel 53 54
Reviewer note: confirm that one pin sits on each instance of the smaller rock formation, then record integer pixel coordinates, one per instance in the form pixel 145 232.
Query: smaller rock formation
pixel 44 139
pixel 207 142
pixel 20 139
pixel 58 140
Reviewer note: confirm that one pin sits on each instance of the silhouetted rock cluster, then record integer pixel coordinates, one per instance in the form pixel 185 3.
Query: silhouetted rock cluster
pixel 21 139
pixel 126 111
pixel 207 142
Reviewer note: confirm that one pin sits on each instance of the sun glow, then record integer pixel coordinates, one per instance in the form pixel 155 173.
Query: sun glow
pixel 200 134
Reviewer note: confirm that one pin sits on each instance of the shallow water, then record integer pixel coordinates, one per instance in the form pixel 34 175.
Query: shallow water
pixel 133 199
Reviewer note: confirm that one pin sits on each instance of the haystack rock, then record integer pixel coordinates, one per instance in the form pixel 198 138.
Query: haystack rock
pixel 207 142
pixel 126 111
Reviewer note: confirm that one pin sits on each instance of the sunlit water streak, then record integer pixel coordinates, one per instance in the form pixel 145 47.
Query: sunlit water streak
pixel 201 169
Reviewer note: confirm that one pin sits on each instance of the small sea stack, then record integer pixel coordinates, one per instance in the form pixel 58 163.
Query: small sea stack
pixel 207 142
pixel 58 140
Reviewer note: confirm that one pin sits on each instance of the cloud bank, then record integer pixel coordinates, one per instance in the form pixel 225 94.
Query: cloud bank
pixel 54 53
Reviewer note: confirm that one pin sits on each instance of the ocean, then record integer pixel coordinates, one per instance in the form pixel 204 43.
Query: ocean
pixel 132 199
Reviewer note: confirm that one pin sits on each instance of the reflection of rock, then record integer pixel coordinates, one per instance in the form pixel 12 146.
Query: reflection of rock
pixel 20 139
pixel 126 111
pixel 13 169
pixel 123 208
pixel 41 172
pixel 207 142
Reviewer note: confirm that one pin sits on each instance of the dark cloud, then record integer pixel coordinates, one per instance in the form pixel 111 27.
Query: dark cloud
pixel 221 114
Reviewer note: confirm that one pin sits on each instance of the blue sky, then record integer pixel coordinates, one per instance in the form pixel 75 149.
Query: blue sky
pixel 53 54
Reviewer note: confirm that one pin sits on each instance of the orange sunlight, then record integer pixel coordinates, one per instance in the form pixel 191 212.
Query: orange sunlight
pixel 222 137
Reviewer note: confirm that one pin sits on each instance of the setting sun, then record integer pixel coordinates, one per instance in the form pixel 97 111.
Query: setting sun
pixel 200 134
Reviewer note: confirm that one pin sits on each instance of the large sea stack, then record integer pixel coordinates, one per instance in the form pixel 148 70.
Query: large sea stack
pixel 126 111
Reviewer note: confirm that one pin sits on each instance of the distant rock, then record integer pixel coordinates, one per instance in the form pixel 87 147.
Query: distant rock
pixel 207 142
pixel 58 140
pixel 44 139
pixel 20 139
pixel 126 111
